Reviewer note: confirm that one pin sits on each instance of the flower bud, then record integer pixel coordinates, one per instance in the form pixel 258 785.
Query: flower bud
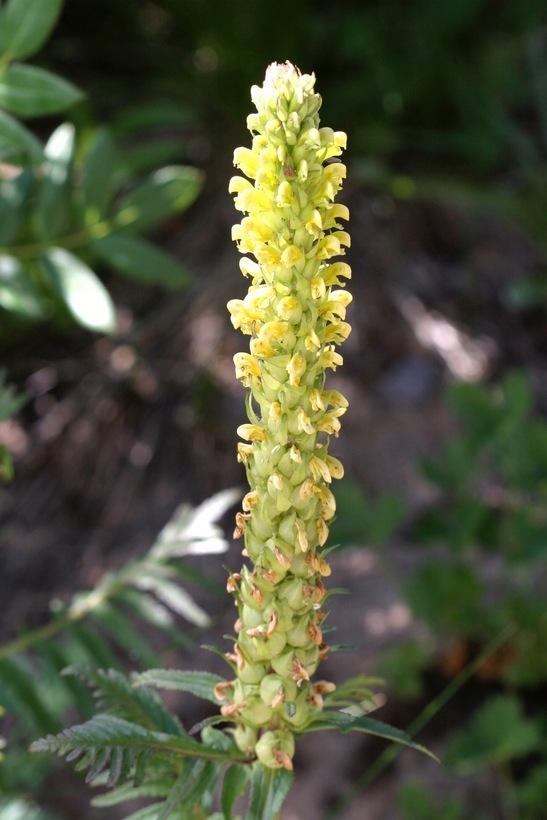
pixel 275 749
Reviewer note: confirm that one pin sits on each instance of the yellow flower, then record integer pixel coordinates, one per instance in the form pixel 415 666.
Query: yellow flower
pixel 295 314
pixel 251 432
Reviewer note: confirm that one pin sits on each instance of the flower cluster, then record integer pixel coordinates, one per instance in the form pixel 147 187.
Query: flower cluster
pixel 295 313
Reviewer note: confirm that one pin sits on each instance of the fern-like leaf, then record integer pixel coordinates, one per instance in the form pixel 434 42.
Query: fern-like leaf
pixel 200 684
pixel 114 692
pixel 123 743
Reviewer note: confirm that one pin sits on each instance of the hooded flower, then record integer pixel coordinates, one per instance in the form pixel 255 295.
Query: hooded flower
pixel 295 315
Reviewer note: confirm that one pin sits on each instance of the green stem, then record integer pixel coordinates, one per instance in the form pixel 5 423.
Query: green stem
pixel 425 716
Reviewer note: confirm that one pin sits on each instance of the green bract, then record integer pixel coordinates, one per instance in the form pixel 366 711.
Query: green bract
pixel 294 313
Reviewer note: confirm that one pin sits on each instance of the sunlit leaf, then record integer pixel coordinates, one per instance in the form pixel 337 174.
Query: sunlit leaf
pixel 193 531
pixel 82 291
pixel 17 291
pixel 29 91
pixel 52 214
pixel 17 808
pixel 172 595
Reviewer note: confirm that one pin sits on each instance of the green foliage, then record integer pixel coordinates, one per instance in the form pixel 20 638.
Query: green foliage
pixel 499 732
pixel 24 28
pixel 416 803
pixel 492 487
pixel 63 214
pixel 490 512
pixel 138 749
pixel 268 791
pixel 72 203
pixel 361 519
pixel 449 597
pixel 403 666
pixel 345 722
pixel 41 671
pixel 532 792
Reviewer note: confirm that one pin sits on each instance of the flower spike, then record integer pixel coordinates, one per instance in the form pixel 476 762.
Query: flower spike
pixel 295 313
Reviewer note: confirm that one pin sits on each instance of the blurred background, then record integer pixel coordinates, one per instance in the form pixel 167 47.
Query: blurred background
pixel 112 422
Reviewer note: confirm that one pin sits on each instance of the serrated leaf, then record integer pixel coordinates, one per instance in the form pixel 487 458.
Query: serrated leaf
pixel 107 731
pixel 200 684
pixel 113 691
pixel 138 259
pixel 82 291
pixel 25 26
pixel 33 92
pixel 234 785
pixel 167 191
pixel 97 176
pixel 17 142
pixel 348 723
